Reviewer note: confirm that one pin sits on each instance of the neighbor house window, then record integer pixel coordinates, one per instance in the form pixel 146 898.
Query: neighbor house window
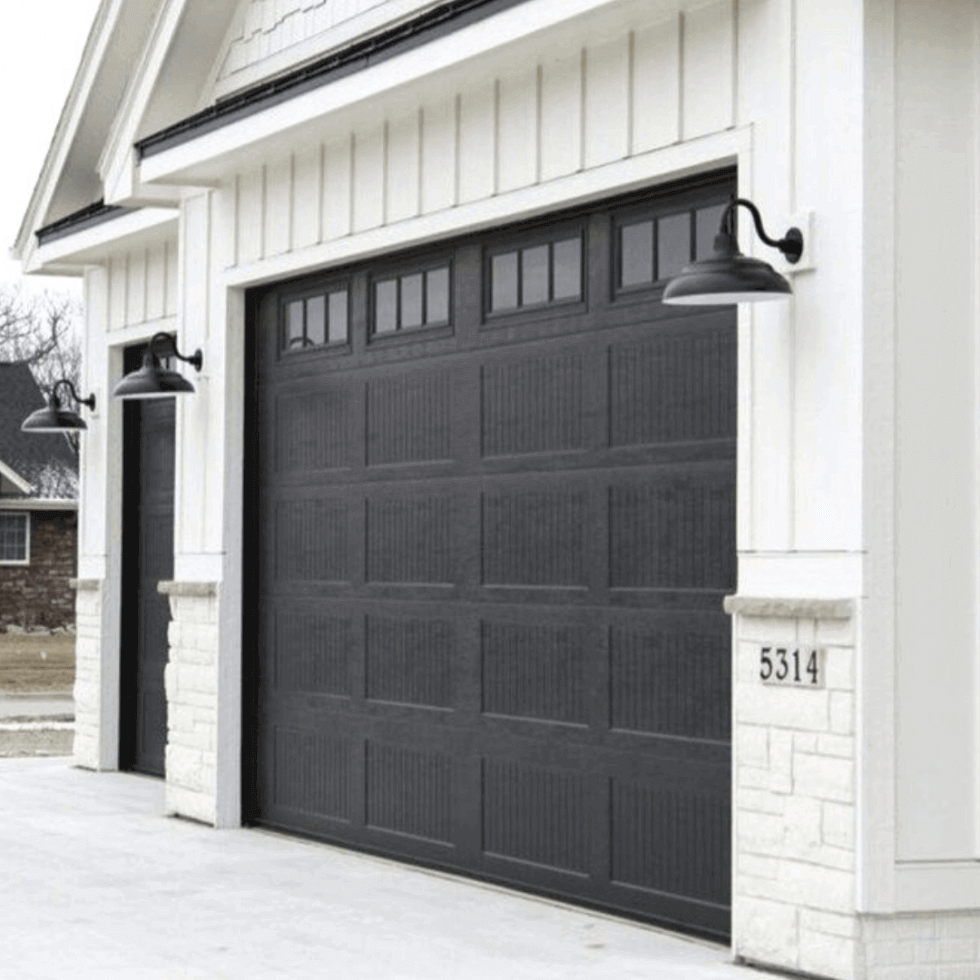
pixel 15 539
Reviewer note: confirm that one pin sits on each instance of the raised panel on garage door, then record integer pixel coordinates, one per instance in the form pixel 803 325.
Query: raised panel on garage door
pixel 494 522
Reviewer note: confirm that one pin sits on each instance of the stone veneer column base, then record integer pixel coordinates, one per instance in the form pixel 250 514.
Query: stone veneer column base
pixel 88 673
pixel 192 700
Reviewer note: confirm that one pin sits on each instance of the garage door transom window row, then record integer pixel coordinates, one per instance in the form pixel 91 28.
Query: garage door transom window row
pixel 648 251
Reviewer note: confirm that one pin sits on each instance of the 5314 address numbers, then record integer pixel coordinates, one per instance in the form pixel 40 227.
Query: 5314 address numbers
pixel 792 666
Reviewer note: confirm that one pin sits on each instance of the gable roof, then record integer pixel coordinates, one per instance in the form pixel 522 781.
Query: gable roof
pixel 45 462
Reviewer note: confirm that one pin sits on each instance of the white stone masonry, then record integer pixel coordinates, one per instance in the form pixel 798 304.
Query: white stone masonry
pixel 88 674
pixel 794 882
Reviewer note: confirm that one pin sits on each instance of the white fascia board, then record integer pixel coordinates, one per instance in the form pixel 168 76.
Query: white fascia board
pixel 92 245
pixel 15 478
pixel 37 504
pixel 68 123
pixel 202 161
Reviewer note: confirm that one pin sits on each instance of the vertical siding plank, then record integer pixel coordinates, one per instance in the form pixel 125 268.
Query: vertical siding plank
pixel 306 197
pixel 336 193
pixel 403 166
pixel 656 86
pixel 438 156
pixel 172 279
pixel 136 288
pixel 251 192
pixel 369 178
pixel 561 116
pixel 278 206
pixel 476 144
pixel 517 126
pixel 708 95
pixel 117 291
pixel 607 102
pixel 156 276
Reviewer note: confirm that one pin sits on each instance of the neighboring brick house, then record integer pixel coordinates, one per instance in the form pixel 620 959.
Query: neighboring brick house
pixel 38 511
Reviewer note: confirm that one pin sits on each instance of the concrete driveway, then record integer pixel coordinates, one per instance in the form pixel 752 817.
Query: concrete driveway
pixel 96 884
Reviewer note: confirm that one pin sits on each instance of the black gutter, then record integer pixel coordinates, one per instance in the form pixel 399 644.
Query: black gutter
pixel 87 217
pixel 433 24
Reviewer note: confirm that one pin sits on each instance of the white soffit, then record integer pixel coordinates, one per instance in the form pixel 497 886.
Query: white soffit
pixel 502 42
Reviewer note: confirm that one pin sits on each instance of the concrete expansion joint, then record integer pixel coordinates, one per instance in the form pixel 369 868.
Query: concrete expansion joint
pixel 777 971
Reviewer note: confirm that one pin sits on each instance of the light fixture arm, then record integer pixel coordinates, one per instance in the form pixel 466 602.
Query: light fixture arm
pixel 90 401
pixel 197 358
pixel 791 245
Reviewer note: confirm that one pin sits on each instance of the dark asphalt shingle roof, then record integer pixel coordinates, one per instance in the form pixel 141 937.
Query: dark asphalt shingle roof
pixel 46 461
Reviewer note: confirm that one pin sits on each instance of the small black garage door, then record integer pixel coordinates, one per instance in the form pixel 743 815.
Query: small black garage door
pixel 495 517
pixel 148 558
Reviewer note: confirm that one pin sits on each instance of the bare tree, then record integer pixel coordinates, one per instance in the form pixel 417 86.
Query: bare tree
pixel 40 328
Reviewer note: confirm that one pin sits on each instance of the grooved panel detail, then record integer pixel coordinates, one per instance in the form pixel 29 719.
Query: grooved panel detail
pixel 534 671
pixel 670 681
pixel 674 388
pixel 536 815
pixel 409 791
pixel 311 541
pixel 678 535
pixel 313 653
pixel 311 431
pixel 409 540
pixel 313 773
pixel 671 840
pixel 408 420
pixel 410 661
pixel 535 538
pixel 533 406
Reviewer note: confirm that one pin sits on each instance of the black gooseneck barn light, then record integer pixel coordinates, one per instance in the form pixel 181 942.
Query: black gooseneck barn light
pixel 730 277
pixel 153 380
pixel 54 418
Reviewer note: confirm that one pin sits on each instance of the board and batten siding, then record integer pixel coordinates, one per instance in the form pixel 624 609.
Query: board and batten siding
pixel 142 285
pixel 623 95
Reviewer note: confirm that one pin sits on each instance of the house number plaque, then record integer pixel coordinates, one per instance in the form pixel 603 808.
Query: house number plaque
pixel 792 666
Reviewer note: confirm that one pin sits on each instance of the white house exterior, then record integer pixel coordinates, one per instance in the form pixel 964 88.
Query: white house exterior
pixel 855 806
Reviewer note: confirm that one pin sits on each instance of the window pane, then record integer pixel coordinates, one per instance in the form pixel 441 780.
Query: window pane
pixel 316 314
pixel 636 252
pixel 386 306
pixel 412 301
pixel 13 537
pixel 338 317
pixel 707 221
pixel 294 325
pixel 437 296
pixel 568 268
pixel 534 275
pixel 673 245
pixel 503 275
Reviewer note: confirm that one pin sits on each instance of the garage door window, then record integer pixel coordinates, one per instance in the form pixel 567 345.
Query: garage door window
pixel 316 321
pixel 15 539
pixel 412 301
pixel 546 273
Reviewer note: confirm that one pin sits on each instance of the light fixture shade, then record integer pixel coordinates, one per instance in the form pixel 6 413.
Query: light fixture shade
pixel 152 380
pixel 53 418
pixel 726 277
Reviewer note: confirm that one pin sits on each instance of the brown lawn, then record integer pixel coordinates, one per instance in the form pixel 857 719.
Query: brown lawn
pixel 35 662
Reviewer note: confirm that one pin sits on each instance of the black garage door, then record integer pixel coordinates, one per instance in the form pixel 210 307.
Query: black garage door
pixel 495 519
